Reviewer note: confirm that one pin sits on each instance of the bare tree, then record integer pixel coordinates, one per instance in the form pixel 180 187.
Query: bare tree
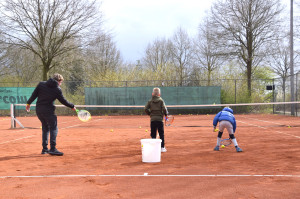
pixel 103 56
pixel 280 63
pixel 181 53
pixel 245 26
pixel 45 27
pixel 25 66
pixel 157 54
pixel 4 67
pixel 206 53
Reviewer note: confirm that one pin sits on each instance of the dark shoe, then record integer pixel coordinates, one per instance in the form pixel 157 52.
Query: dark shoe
pixel 55 152
pixel 45 151
pixel 217 148
pixel 238 149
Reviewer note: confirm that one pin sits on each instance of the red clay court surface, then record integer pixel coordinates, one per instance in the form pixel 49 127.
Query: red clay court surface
pixel 100 163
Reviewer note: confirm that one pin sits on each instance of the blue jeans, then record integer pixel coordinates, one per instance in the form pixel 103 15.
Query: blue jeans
pixel 49 124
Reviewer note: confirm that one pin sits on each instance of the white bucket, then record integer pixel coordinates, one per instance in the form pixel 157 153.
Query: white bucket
pixel 151 150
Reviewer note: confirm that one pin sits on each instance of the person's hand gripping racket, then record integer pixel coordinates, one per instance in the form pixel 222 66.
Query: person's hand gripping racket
pixel 28 107
pixel 169 119
pixel 83 115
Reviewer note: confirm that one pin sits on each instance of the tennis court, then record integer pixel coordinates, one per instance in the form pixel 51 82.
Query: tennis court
pixel 103 159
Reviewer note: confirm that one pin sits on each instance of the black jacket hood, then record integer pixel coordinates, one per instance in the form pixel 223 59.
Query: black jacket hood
pixel 52 83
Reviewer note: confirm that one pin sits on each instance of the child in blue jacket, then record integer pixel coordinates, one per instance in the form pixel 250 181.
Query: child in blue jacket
pixel 226 121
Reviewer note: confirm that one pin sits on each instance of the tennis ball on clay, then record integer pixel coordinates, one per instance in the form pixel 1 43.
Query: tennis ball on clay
pixel 111 130
pixel 40 127
pixel 289 126
pixel 222 146
pixel 146 130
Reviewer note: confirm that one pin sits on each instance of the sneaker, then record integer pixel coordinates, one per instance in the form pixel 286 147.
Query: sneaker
pixel 238 149
pixel 45 151
pixel 55 152
pixel 217 148
pixel 163 149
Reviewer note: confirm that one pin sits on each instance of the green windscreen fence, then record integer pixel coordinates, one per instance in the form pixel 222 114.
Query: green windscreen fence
pixel 14 95
pixel 140 95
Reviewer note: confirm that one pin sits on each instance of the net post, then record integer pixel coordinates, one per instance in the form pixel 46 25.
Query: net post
pixel 14 120
pixel 12 116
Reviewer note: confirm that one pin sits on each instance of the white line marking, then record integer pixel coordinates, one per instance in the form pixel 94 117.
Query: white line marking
pixel 270 130
pixel 143 175
pixel 264 121
pixel 18 139
pixel 79 124
pixel 16 131
pixel 35 135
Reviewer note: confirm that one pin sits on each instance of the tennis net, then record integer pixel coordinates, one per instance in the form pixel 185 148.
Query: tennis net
pixel 284 108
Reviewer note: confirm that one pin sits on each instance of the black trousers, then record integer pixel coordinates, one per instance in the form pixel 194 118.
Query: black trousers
pixel 49 125
pixel 158 126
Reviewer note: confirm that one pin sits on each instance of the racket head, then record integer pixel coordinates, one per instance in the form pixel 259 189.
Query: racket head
pixel 226 142
pixel 84 115
pixel 169 120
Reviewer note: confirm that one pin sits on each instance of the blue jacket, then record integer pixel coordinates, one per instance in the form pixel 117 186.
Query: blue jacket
pixel 225 114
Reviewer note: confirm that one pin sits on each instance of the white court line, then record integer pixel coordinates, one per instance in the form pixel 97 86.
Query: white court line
pixel 22 138
pixel 78 124
pixel 263 121
pixel 17 139
pixel 143 175
pixel 269 129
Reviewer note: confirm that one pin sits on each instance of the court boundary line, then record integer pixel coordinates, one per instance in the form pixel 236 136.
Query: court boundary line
pixel 147 175
pixel 22 138
pixel 265 121
pixel 270 130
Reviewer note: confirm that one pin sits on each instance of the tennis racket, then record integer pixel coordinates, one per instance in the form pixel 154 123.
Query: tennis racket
pixel 169 120
pixel 226 142
pixel 83 115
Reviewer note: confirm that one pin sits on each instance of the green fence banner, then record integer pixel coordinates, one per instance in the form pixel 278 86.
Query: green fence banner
pixel 140 95
pixel 14 95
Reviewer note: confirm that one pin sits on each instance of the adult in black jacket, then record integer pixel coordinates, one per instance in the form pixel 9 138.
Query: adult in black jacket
pixel 46 93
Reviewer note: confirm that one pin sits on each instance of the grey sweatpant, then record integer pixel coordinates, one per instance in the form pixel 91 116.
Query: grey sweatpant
pixel 226 125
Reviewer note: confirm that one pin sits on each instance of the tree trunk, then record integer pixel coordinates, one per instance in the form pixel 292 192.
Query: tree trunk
pixel 208 77
pixel 283 89
pixel 249 80
pixel 45 72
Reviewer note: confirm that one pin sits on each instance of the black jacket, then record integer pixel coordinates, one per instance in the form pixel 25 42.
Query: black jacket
pixel 47 92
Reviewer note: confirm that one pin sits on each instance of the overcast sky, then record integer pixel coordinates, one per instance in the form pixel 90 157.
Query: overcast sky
pixel 136 23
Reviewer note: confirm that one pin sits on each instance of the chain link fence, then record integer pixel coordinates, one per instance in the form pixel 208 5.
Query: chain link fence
pixel 233 91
